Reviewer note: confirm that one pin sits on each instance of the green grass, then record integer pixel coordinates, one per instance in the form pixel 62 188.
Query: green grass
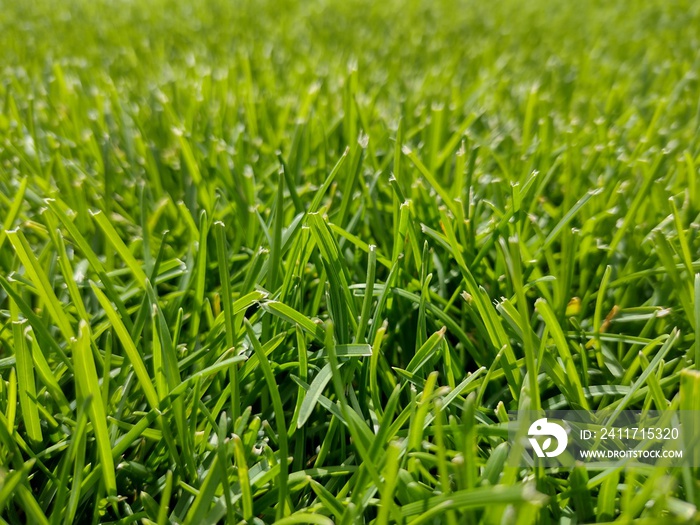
pixel 293 262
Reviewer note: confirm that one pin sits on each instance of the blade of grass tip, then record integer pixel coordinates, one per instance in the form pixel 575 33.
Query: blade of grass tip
pixel 416 429
pixel 13 212
pixel 129 347
pixel 429 350
pixel 400 231
pixel 177 326
pixel 88 387
pixel 292 316
pixel 353 174
pixel 494 466
pixel 350 515
pixel 41 282
pixel 219 231
pixel 116 241
pixel 279 417
pixel 444 195
pixel 358 243
pixel 65 265
pixel 289 182
pixel 55 206
pixel 243 479
pixel 38 325
pixel 26 384
pixel 318 197
pixel 462 387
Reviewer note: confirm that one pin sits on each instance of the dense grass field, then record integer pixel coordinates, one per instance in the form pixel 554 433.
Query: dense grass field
pixel 295 262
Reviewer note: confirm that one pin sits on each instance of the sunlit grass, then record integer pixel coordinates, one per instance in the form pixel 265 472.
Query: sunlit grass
pixel 294 262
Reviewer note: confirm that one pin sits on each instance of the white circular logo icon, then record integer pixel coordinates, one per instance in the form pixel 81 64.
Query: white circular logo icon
pixel 541 428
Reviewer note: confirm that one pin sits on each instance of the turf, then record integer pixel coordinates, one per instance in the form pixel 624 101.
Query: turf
pixel 295 261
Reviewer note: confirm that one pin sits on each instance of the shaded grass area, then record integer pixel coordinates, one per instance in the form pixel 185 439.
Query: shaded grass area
pixel 294 262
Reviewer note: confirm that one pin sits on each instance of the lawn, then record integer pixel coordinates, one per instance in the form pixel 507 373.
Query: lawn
pixel 299 261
